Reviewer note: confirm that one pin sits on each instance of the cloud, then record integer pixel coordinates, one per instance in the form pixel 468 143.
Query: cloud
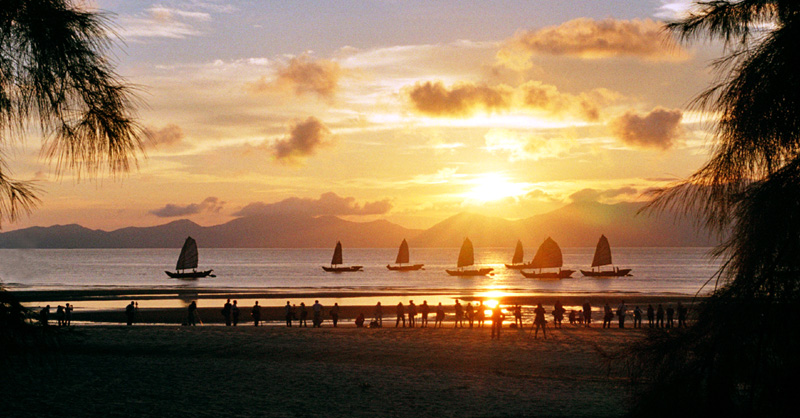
pixel 434 99
pixel 162 22
pixel 589 38
pixel 328 204
pixel 594 195
pixel 656 129
pixel 303 140
pixel 525 147
pixel 209 205
pixel 169 135
pixel 588 105
pixel 304 75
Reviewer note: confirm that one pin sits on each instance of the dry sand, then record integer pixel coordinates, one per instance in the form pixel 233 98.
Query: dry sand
pixel 217 371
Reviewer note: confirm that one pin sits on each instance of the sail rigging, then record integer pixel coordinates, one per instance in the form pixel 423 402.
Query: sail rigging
pixel 337 254
pixel 602 254
pixel 402 253
pixel 189 257
pixel 548 255
pixel 519 253
pixel 466 256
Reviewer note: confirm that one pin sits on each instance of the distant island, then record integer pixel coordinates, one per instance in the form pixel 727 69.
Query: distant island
pixel 574 225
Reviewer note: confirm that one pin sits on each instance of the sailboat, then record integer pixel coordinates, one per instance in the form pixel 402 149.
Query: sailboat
pixel 336 262
pixel 516 261
pixel 402 260
pixel 466 258
pixel 602 257
pixel 188 260
pixel 548 256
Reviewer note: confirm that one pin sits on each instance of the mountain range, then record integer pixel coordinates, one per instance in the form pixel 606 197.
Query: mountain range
pixel 574 225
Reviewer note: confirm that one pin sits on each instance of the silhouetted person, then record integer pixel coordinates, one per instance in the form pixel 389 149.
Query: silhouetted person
pixel 481 314
pixel 622 310
pixel 235 313
pixel 558 314
pixel 360 320
pixel 518 316
pixel 682 313
pixel 226 312
pixel 378 314
pixel 670 314
pixel 68 314
pixel 44 316
pixel 470 314
pixel 459 312
pixel 587 313
pixel 412 314
pixel 424 310
pixel 637 317
pixel 317 307
pixel 335 314
pixel 572 318
pixel 60 316
pixel 497 321
pixel 401 314
pixel 191 314
pixel 651 316
pixel 288 314
pixel 256 314
pixel 660 316
pixel 439 316
pixel 608 315
pixel 580 317
pixel 130 312
pixel 539 321
pixel 303 315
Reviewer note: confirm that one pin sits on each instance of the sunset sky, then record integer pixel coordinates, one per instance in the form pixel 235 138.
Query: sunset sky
pixel 411 111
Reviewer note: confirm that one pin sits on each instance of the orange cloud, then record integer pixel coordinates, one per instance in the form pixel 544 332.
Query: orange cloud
pixel 304 75
pixel 433 98
pixel 303 140
pixel 328 204
pixel 656 129
pixel 589 38
pixel 546 97
pixel 169 135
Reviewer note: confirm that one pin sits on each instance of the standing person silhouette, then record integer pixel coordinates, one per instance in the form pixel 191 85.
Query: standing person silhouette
pixel 60 318
pixel 226 312
pixel 424 310
pixel 651 314
pixel 303 315
pixel 558 314
pixel 608 315
pixel 68 314
pixel 518 316
pixel 400 310
pixel 235 313
pixel 288 314
pixel 470 313
pixel 670 314
pixel 256 314
pixel 412 314
pixel 682 312
pixel 539 321
pixel 439 316
pixel 622 310
pixel 459 311
pixel 378 314
pixel 481 314
pixel 130 311
pixel 191 314
pixel 637 317
pixel 587 313
pixel 660 316
pixel 497 321
pixel 335 314
pixel 317 307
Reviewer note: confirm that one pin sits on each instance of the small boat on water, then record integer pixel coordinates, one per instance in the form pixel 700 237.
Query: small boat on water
pixel 336 262
pixel 466 258
pixel 516 261
pixel 188 260
pixel 548 256
pixel 402 260
pixel 602 257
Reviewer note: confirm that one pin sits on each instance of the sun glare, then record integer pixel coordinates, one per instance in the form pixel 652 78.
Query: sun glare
pixel 493 186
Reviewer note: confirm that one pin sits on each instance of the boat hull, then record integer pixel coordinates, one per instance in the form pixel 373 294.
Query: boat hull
pixel 411 267
pixel 608 273
pixel 519 266
pixel 342 269
pixel 561 274
pixel 192 275
pixel 468 273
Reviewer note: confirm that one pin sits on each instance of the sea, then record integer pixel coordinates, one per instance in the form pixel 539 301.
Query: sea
pixel 657 271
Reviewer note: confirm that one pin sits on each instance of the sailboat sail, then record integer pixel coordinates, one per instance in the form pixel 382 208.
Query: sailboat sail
pixel 602 254
pixel 188 258
pixel 466 257
pixel 519 254
pixel 548 255
pixel 337 254
pixel 402 253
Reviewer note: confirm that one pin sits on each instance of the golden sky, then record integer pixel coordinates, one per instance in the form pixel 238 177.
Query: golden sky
pixel 410 111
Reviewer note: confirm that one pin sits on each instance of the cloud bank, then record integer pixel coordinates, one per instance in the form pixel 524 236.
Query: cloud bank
pixel 594 195
pixel 209 205
pixel 657 129
pixel 328 204
pixel 434 99
pixel 304 75
pixel 303 140
pixel 169 135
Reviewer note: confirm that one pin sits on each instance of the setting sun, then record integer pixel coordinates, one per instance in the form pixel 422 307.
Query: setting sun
pixel 493 186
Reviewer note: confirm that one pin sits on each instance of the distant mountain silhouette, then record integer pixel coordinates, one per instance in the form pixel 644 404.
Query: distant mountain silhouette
pixel 574 225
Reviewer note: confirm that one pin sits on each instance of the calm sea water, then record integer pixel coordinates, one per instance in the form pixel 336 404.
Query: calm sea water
pixel 655 270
